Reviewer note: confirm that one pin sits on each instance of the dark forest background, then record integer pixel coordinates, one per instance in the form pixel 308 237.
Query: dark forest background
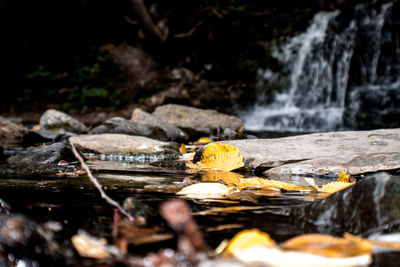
pixel 87 55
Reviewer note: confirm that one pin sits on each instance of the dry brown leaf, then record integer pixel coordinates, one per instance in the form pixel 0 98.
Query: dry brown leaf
pixel 218 156
pixel 327 246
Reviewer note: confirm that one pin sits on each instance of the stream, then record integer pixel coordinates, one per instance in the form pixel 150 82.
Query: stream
pixel 73 203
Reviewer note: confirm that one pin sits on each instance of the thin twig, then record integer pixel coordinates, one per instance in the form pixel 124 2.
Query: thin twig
pixel 98 185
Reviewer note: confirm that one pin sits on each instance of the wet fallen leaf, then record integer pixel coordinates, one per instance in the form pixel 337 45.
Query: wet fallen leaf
pixel 204 140
pixel 329 188
pixel 344 177
pixel 205 190
pixel 182 149
pixel 248 238
pixel 227 178
pixel 255 247
pixel 269 184
pixel 218 156
pixel 74 173
pixel 223 227
pixel 222 210
pixel 261 255
pixel 92 247
pixel 328 246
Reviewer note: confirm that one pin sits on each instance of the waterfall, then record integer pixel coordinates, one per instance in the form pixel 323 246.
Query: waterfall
pixel 332 74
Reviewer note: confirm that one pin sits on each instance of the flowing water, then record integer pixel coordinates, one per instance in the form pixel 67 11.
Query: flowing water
pixel 343 72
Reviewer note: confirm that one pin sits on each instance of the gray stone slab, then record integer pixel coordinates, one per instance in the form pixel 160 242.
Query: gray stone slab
pixel 324 153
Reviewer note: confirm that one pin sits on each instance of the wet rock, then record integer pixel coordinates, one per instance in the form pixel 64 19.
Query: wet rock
pixel 126 144
pixel 43 154
pixel 33 170
pixel 10 131
pixel 323 153
pixel 197 122
pixel 371 206
pixel 173 133
pixel 118 125
pixel 60 122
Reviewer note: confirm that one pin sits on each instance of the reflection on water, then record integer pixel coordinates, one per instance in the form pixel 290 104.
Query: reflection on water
pixel 373 204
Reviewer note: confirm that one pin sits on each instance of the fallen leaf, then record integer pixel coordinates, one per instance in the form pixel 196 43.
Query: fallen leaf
pixel 205 190
pixel 204 140
pixel 182 149
pixel 269 184
pixel 222 210
pixel 344 177
pixel 218 156
pixel 227 178
pixel 261 255
pixel 92 247
pixel 248 238
pixel 327 246
pixel 329 188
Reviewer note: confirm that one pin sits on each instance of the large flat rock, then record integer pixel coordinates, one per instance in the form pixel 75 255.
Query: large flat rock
pixel 324 153
pixel 122 143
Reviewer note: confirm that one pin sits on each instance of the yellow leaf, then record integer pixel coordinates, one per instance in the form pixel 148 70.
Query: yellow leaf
pixel 334 187
pixel 327 246
pixel 182 149
pixel 204 140
pixel 269 184
pixel 218 156
pixel 227 178
pixel 248 238
pixel 344 177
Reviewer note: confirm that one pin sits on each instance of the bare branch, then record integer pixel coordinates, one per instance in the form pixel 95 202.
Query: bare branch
pixel 189 33
pixel 146 21
pixel 98 185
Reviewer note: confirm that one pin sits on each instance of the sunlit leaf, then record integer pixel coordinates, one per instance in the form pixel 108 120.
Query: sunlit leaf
pixel 327 246
pixel 249 238
pixel 255 247
pixel 269 184
pixel 227 178
pixel 329 188
pixel 218 156
pixel 204 140
pixel 334 187
pixel 344 177
pixel 182 149
pixel 205 190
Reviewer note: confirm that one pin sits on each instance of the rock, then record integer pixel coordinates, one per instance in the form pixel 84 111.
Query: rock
pixel 126 144
pixel 10 131
pixel 197 122
pixel 60 122
pixel 44 154
pixel 370 205
pixel 173 133
pixel 120 125
pixel 323 153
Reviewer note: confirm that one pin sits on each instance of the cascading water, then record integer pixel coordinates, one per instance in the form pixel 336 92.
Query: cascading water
pixel 336 73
